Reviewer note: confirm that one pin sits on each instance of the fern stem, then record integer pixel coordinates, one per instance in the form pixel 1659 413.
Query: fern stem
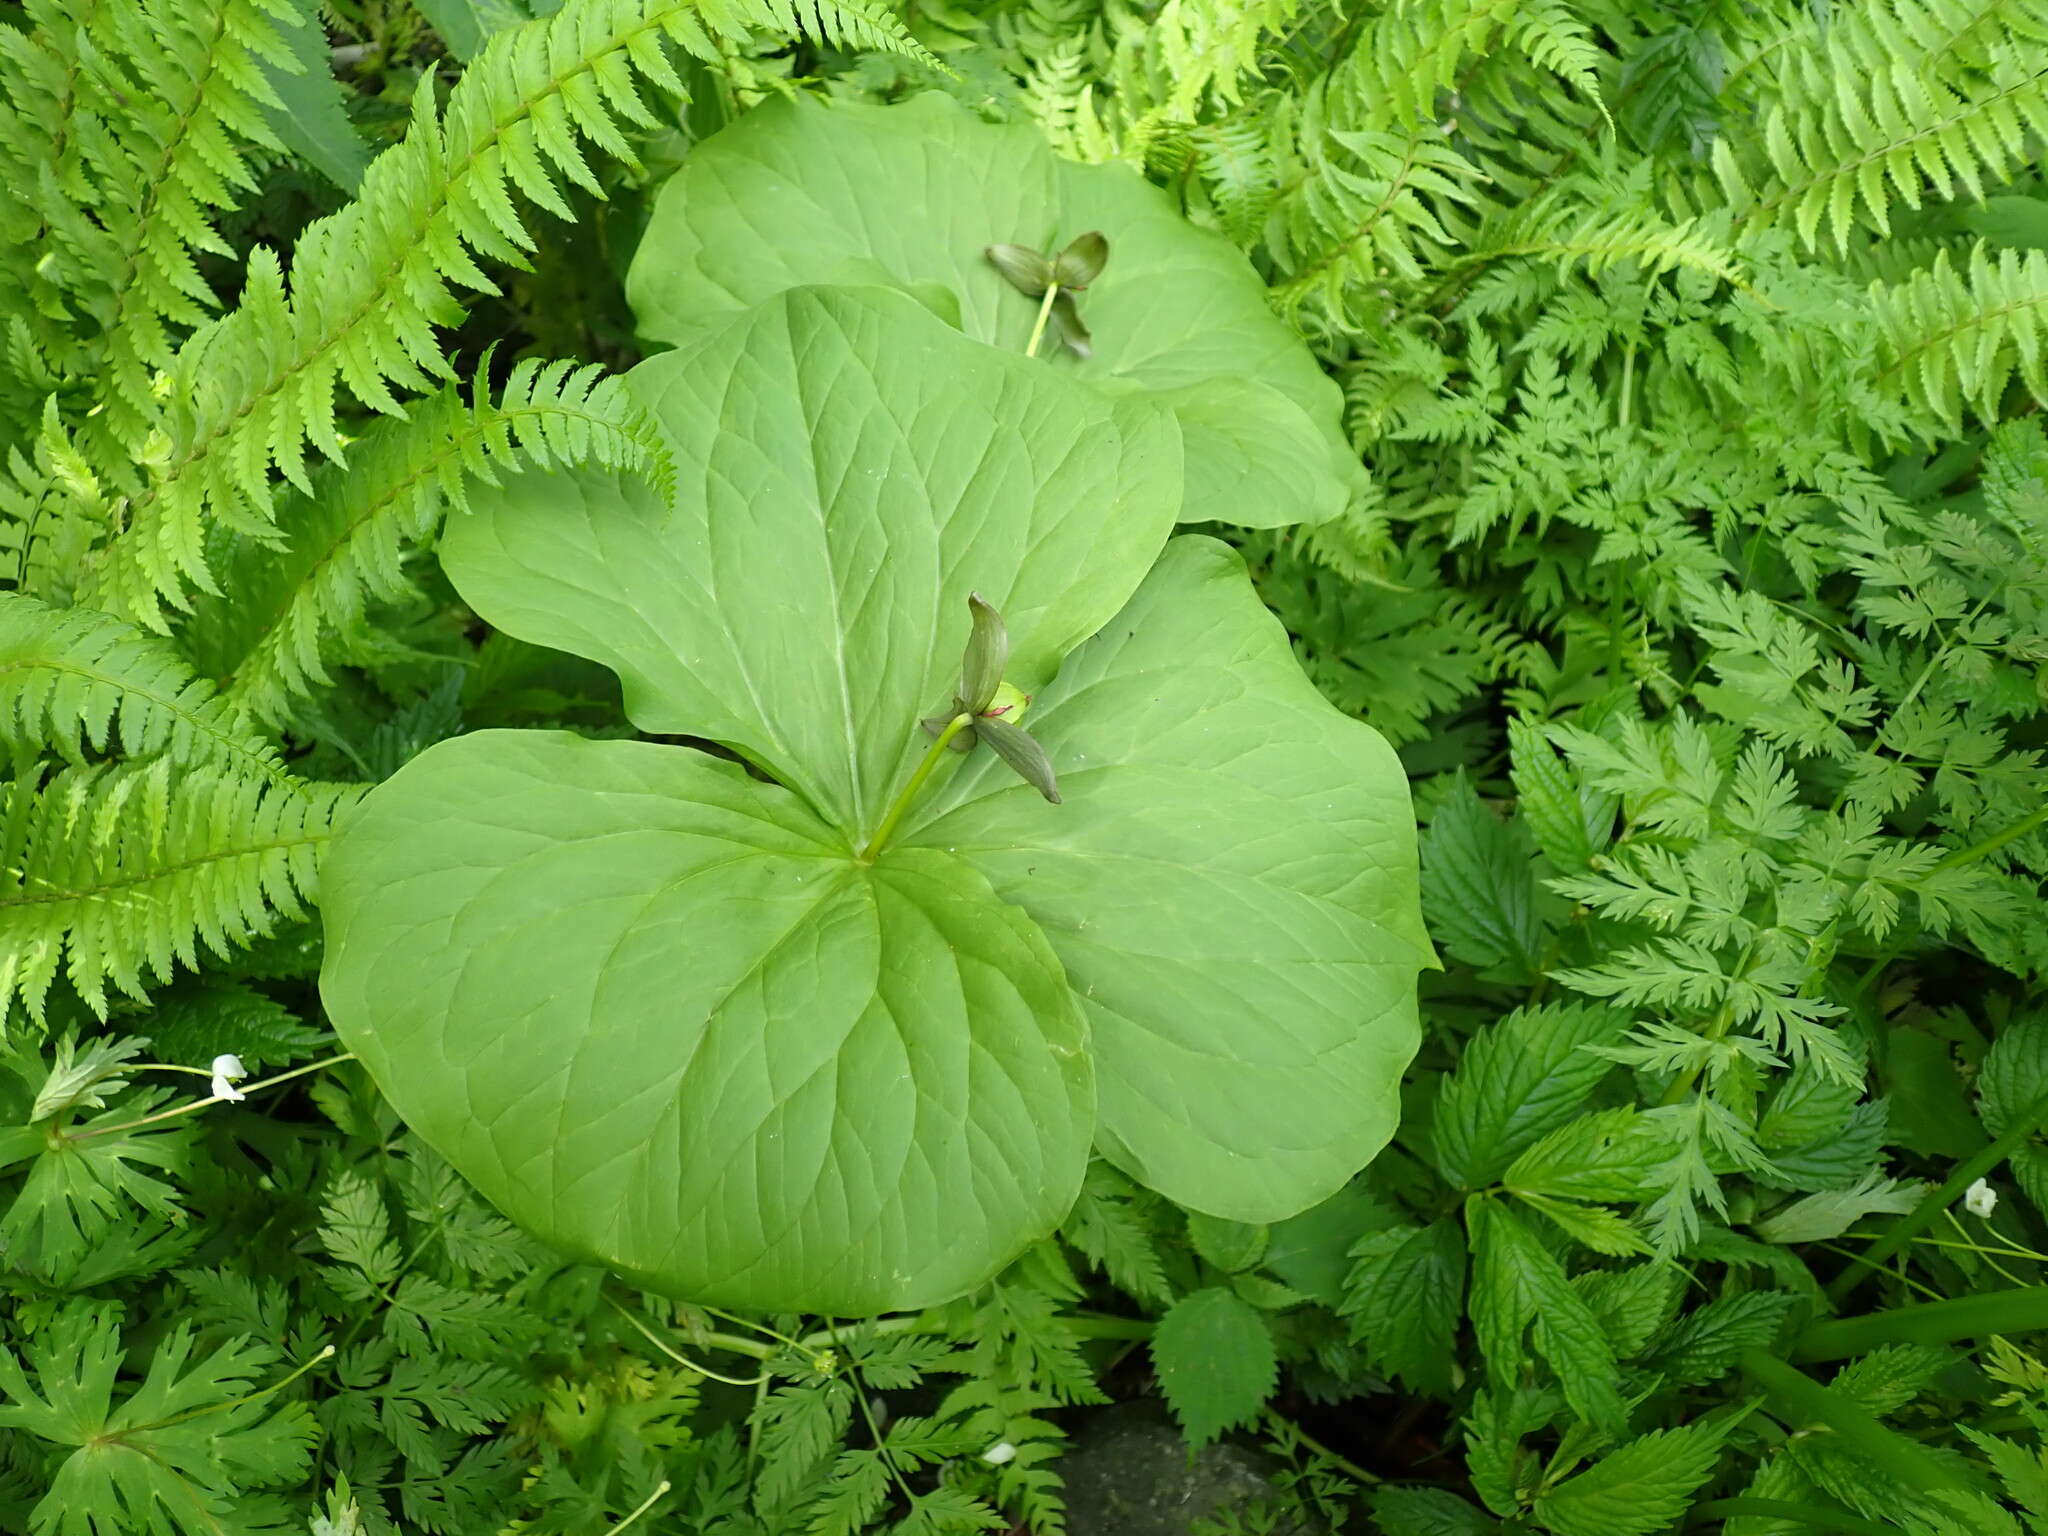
pixel 954 727
pixel 124 284
pixel 1972 108
pixel 199 1104
pixel 454 448
pixel 238 748
pixel 152 875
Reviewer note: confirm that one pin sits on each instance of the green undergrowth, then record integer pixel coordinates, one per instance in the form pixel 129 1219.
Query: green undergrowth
pixel 1693 359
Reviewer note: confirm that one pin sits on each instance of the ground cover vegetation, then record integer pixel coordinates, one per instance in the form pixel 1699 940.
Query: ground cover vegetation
pixel 1668 489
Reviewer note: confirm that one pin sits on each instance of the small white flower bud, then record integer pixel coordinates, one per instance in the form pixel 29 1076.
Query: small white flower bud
pixel 1980 1199
pixel 226 1069
pixel 999 1453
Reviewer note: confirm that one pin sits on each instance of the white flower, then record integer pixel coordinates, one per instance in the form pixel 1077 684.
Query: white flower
pixel 1980 1199
pixel 999 1453
pixel 225 1070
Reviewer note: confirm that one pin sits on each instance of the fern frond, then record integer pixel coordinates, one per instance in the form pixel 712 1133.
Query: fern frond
pixel 118 874
pixel 1415 52
pixel 1865 114
pixel 1366 207
pixel 54 509
pixel 1952 339
pixel 78 681
pixel 141 115
pixel 194 96
pixel 1592 230
pixel 348 541
pixel 855 25
pixel 371 285
pixel 1190 56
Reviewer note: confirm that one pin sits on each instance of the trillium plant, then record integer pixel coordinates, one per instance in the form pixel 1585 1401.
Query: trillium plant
pixel 1013 834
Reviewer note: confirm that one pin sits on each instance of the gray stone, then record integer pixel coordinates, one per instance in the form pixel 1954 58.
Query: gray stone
pixel 1130 1474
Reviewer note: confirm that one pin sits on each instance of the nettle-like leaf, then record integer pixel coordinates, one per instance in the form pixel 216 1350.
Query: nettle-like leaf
pixel 681 1015
pixel 928 197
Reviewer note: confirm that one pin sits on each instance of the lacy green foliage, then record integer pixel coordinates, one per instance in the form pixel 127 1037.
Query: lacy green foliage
pixel 166 1451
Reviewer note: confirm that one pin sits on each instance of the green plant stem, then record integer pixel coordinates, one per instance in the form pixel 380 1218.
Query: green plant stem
pixel 1351 1469
pixel 1781 1509
pixel 1811 1403
pixel 1052 291
pixel 326 1353
pixel 1996 841
pixel 954 727
pixel 199 1104
pixel 716 1341
pixel 1909 1226
pixel 1931 1322
pixel 645 1505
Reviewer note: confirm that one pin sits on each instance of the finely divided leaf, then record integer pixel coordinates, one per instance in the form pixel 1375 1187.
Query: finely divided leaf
pixel 174 1455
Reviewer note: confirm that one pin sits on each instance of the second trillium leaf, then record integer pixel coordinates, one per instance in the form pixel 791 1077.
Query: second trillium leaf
pixel 914 195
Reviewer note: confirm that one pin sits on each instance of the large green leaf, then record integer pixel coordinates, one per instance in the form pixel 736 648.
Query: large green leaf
pixel 653 1009
pixel 1231 885
pixel 912 195
pixel 660 1008
pixel 849 469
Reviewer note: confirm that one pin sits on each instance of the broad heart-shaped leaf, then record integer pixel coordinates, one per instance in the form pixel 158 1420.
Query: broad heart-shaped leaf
pixel 912 195
pixel 849 468
pixel 653 1008
pixel 1231 885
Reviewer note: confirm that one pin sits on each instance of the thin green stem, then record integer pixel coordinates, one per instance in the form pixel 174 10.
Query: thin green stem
pixel 326 1353
pixel 1052 291
pixel 1281 1427
pixel 199 1104
pixel 1781 1509
pixel 645 1505
pixel 1996 841
pixel 1976 1316
pixel 717 1341
pixel 1922 1216
pixel 954 727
